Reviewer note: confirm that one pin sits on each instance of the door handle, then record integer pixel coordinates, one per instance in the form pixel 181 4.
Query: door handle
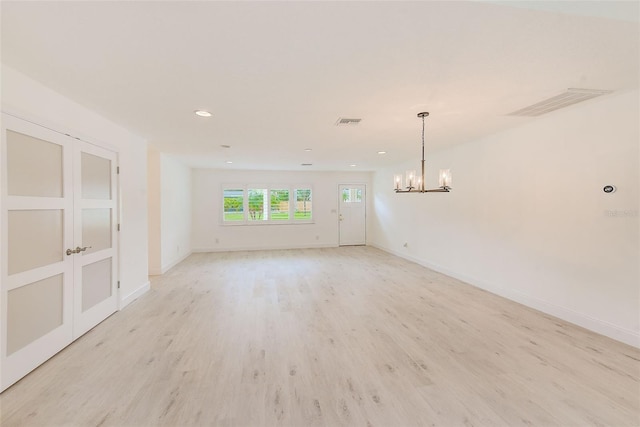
pixel 77 250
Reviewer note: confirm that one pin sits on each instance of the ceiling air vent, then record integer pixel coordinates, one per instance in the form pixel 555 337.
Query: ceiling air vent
pixel 570 97
pixel 342 121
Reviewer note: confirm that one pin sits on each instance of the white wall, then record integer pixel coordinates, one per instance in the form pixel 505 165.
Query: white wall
pixel 210 235
pixel 527 217
pixel 154 210
pixel 169 211
pixel 32 101
pixel 176 211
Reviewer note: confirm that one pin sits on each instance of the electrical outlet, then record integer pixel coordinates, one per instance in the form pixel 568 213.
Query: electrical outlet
pixel 217 240
pixel 317 237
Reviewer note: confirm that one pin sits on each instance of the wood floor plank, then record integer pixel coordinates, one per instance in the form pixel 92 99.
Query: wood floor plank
pixel 327 337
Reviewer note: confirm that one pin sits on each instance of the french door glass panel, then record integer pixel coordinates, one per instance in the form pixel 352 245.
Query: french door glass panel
pixel 34 310
pixel 96 177
pixel 35 166
pixel 35 238
pixel 96 283
pixel 96 229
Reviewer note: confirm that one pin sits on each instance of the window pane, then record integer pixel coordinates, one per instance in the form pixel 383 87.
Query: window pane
pixel 352 195
pixel 233 205
pixel 303 204
pixel 279 205
pixel 258 204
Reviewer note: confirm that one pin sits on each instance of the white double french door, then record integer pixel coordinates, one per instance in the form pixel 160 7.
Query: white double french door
pixel 59 243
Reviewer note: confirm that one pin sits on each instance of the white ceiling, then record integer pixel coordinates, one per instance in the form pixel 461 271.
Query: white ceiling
pixel 277 75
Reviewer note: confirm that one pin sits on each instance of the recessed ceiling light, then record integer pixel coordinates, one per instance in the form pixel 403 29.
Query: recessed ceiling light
pixel 229 162
pixel 382 152
pixel 353 166
pixel 306 164
pixel 202 113
pixel 225 146
pixel 307 149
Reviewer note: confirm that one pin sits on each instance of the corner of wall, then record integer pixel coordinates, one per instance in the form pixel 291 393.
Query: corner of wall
pixel 134 295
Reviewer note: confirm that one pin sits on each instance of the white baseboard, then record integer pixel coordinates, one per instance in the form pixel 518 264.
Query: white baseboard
pixel 596 325
pixel 155 272
pixel 125 301
pixel 265 248
pixel 173 263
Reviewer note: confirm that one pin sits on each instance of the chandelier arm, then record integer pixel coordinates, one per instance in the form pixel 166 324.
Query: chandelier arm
pixel 433 190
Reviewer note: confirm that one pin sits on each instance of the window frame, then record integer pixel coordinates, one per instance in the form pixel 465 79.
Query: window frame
pixel 292 188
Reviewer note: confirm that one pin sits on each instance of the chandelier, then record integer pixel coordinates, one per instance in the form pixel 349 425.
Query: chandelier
pixel 415 184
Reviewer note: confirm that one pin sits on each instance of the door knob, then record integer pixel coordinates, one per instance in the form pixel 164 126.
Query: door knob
pixel 77 250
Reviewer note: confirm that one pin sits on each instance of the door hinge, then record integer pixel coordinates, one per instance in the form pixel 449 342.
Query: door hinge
pixel 118 170
pixel 118 227
pixel 118 284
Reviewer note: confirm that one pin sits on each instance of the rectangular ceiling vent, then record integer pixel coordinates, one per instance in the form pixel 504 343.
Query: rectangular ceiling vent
pixel 570 97
pixel 342 121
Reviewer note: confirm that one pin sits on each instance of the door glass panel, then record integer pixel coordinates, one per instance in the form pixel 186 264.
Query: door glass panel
pixel 35 239
pixel 33 311
pixel 96 283
pixel 351 195
pixel 96 229
pixel 96 177
pixel 34 166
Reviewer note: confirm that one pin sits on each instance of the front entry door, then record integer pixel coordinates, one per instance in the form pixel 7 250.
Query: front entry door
pixel 352 215
pixel 58 196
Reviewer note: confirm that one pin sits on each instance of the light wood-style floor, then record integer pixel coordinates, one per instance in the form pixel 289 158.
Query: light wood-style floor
pixel 344 336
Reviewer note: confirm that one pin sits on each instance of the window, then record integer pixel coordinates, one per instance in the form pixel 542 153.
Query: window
pixel 352 195
pixel 233 205
pixel 303 204
pixel 278 204
pixel 257 205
